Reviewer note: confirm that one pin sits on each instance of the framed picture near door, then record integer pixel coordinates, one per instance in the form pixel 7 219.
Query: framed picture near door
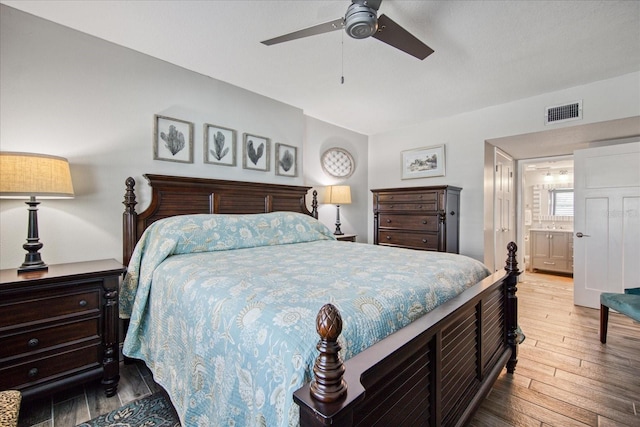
pixel 423 162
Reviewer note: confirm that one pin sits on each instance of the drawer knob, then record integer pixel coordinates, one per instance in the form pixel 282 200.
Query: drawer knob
pixel 388 237
pixel 390 206
pixel 83 303
pixel 424 221
pixel 388 221
pixel 33 342
pixel 33 372
pixel 424 240
pixel 419 206
pixel 452 213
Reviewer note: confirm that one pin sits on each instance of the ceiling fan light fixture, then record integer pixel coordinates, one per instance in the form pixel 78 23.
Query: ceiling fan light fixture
pixel 360 21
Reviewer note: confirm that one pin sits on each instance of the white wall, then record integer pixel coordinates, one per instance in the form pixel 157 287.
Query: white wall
pixel 464 136
pixel 72 95
pixel 319 137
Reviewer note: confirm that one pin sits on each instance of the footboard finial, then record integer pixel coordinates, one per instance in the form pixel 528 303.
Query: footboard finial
pixel 328 384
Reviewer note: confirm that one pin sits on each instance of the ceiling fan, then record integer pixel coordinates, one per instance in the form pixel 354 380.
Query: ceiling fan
pixel 361 21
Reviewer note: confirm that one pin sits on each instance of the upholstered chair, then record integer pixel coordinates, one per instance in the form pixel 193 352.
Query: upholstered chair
pixel 627 303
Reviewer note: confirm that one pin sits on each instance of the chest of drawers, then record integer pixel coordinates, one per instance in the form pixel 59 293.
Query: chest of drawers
pixel 59 327
pixel 425 218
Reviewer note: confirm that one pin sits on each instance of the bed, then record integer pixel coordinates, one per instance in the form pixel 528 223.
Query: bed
pixel 258 316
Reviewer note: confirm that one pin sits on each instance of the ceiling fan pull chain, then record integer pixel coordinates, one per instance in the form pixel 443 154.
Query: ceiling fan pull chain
pixel 342 46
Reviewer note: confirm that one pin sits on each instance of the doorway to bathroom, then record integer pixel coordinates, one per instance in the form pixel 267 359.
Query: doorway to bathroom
pixel 546 187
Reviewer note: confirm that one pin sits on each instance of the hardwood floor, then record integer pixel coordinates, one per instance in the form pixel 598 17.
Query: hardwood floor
pixel 81 404
pixel 564 376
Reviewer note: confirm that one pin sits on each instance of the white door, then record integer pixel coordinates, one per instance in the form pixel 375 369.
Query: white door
pixel 504 210
pixel 606 221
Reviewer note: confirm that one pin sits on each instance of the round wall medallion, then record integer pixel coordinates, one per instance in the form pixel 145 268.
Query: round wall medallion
pixel 338 163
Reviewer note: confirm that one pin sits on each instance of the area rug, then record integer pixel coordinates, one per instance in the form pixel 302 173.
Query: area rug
pixel 150 411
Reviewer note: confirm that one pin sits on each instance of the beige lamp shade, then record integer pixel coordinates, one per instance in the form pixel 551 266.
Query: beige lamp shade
pixel 27 174
pixel 337 195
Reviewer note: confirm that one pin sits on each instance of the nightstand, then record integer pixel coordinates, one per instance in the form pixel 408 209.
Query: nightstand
pixel 346 237
pixel 59 327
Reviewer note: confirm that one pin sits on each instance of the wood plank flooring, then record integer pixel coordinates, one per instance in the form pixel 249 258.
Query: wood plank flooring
pixel 564 376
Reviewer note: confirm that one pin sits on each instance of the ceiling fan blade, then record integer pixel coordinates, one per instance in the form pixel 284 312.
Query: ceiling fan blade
pixel 336 24
pixel 394 35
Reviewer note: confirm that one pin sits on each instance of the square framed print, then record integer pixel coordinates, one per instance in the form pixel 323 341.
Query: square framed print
pixel 219 145
pixel 423 162
pixel 256 151
pixel 286 160
pixel 172 139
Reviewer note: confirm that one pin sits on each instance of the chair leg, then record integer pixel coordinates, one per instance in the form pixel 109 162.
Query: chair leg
pixel 604 322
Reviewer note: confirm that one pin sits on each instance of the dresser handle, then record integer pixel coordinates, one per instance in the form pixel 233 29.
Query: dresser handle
pixel 424 240
pixel 33 342
pixel 424 221
pixel 452 213
pixel 83 303
pixel 388 221
pixel 419 206
pixel 388 237
pixel 390 206
pixel 33 372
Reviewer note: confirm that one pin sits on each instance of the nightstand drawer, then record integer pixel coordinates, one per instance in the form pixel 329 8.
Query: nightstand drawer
pixel 38 370
pixel 37 340
pixel 411 222
pixel 47 307
pixel 425 241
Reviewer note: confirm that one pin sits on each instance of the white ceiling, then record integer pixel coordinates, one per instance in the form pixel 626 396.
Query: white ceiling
pixel 486 52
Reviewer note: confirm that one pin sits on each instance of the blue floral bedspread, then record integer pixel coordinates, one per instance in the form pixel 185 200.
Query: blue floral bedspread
pixel 223 307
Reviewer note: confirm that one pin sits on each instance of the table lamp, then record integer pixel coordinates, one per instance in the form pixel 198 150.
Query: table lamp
pixel 337 195
pixel 29 175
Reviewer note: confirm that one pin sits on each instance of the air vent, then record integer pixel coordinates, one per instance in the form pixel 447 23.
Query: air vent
pixel 563 113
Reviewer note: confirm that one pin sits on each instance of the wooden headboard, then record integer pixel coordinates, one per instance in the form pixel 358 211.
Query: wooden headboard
pixel 177 195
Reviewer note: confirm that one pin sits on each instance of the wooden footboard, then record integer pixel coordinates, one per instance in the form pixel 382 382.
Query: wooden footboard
pixel 434 372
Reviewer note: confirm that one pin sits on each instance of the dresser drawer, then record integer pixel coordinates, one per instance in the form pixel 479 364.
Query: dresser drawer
pixel 404 207
pixel 41 339
pixel 47 307
pixel 411 222
pixel 42 369
pixel 425 241
pixel 425 196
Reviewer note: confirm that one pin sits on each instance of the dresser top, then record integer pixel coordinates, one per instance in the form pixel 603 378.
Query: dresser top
pixel 429 188
pixel 85 269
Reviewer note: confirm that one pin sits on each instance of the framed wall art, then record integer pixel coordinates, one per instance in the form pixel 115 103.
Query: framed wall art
pixel 286 160
pixel 338 163
pixel 423 162
pixel 172 139
pixel 219 145
pixel 256 151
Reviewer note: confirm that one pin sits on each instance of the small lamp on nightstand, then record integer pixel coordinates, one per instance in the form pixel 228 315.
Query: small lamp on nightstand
pixel 337 195
pixel 27 175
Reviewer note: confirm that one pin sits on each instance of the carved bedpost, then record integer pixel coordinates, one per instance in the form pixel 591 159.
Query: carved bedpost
pixel 328 384
pixel 512 305
pixel 314 204
pixel 129 221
